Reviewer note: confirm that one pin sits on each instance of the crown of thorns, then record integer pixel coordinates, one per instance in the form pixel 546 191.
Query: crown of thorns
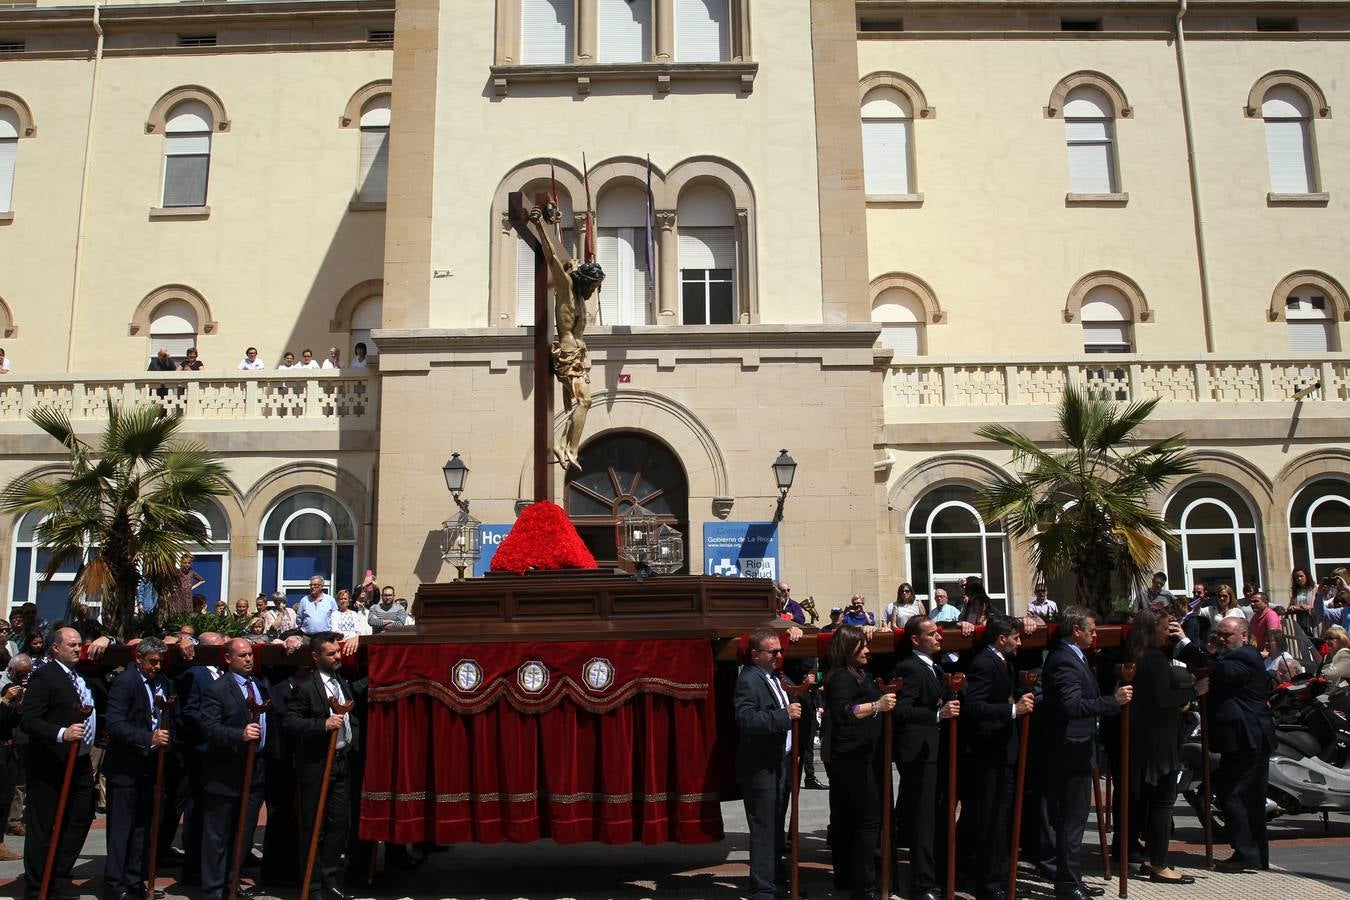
pixel 587 277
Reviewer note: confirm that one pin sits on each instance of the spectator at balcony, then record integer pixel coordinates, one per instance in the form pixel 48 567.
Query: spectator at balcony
pixel 943 611
pixel 1337 668
pixel 1301 590
pixel 186 581
pixel 162 362
pixel 1264 619
pixel 857 613
pixel 387 612
pixel 307 360
pixel 906 606
pixel 1225 606
pixel 282 617
pixel 192 363
pixel 346 621
pixel 334 360
pixel 315 610
pixel 1155 596
pixel 4 361
pixel 1280 663
pixel 221 608
pixel 1042 606
pixel 241 606
pixel 250 360
pixel 288 361
pixel 358 357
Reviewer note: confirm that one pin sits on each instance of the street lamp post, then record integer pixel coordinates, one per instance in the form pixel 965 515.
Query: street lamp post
pixel 784 470
pixel 461 537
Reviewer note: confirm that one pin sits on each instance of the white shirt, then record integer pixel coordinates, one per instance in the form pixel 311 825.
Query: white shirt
pixel 349 623
pixel 4 363
pixel 781 696
pixel 334 690
pixel 87 699
pixel 329 364
pixel 282 365
pixel 903 612
pixel 312 364
pixel 357 363
pixel 245 365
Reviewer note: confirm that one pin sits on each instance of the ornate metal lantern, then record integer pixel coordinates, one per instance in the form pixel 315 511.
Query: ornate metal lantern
pixel 669 553
pixel 635 535
pixel 461 541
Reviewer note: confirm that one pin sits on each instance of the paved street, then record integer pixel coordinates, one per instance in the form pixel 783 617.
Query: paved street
pixel 1308 863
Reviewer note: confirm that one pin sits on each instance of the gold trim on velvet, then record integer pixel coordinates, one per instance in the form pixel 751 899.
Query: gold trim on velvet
pixel 563 686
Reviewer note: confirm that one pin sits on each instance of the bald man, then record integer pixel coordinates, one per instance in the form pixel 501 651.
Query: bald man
pixel 229 729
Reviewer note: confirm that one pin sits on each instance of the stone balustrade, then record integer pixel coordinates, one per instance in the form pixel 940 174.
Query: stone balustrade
pixel 313 399
pixel 915 386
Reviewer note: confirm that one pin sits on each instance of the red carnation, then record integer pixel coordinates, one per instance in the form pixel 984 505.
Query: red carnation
pixel 542 538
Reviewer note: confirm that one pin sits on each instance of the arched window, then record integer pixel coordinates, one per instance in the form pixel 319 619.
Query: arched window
pixel 373 178
pixel 627 295
pixel 888 143
pixel 173 326
pixel 212 559
pixel 624 30
pixel 1308 320
pixel 525 255
pixel 702 30
pixel 306 534
pixel 707 248
pixel 1089 132
pixel 1319 526
pixel 9 154
pixel 1106 316
pixel 366 318
pixel 546 32
pixel 618 471
pixel 187 154
pixel 949 540
pixel 1217 527
pixel 901 314
pixel 30 561
pixel 1289 148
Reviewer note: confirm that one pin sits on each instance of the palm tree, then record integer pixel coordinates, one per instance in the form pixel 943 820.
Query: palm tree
pixel 127 503
pixel 1085 508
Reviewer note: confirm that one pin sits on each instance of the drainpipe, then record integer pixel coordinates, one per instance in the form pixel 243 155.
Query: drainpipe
pixel 77 273
pixel 1197 207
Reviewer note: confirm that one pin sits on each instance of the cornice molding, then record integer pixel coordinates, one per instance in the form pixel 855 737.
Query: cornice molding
pixel 637 337
pixel 156 16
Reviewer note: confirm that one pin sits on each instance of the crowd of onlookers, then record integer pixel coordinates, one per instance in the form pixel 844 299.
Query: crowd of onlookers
pixel 192 362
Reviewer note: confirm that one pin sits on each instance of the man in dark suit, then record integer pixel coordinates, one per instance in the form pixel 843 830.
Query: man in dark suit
pixel 54 721
pixel 919 710
pixel 764 717
pixel 1242 731
pixel 191 747
pixel 282 851
pixel 1073 701
pixel 136 738
pixel 310 721
pixel 988 757
pixel 229 727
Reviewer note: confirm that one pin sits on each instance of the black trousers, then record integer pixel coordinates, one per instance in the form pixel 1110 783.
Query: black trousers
pixel 128 834
pixel 220 819
pixel 922 793
pixel 1072 763
pixel 807 732
pixel 44 789
pixel 336 828
pixel 766 803
pixel 9 780
pixel 1151 815
pixel 855 796
pixel 1241 785
pixel 281 842
pixel 984 832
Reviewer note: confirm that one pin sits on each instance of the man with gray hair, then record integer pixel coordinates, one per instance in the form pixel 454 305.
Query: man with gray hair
pixel 138 735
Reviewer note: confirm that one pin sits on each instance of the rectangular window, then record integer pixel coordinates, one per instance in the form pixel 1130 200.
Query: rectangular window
pixel 702 30
pixel 625 298
pixel 1090 163
pixel 380 35
pixel 886 157
pixel 374 178
pixel 1080 24
pixel 546 32
pixel 870 23
pixel 9 152
pixel 624 30
pixel 187 161
pixel 1106 337
pixel 1309 336
pixel 707 283
pixel 903 339
pixel 1288 153
pixel 11 46
pixel 196 40
pixel 1270 23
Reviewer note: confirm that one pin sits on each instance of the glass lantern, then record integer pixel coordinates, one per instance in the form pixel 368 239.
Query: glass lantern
pixel 461 541
pixel 635 535
pixel 668 556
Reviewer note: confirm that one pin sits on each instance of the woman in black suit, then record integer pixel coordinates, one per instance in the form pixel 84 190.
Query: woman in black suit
pixel 854 705
pixel 1161 692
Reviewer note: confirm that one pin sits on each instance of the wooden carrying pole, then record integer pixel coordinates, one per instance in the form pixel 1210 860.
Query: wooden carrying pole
pixel 1028 684
pixel 955 681
pixel 887 800
pixel 165 705
pixel 255 711
pixel 72 754
pixel 338 709
pixel 1126 671
pixel 794 691
pixel 1101 821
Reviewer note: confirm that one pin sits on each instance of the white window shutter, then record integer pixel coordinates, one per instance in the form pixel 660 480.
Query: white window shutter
pixel 187 163
pixel 624 30
pixel 702 30
pixel 1287 154
pixel 903 339
pixel 545 32
pixel 885 156
pixel 1309 336
pixel 707 248
pixel 616 259
pixel 9 152
pixel 1090 168
pixel 1112 334
pixel 524 283
pixel 374 180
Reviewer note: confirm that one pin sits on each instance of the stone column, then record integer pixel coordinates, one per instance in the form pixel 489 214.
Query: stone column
pixel 586 34
pixel 668 257
pixel 663 24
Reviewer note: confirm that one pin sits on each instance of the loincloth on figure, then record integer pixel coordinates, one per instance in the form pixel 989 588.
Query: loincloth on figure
pixel 570 364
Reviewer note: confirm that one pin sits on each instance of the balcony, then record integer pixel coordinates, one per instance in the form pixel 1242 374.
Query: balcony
pixel 312 400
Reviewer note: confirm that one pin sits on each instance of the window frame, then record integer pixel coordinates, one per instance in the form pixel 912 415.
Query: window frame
pixel 1238 566
pixel 926 535
pixel 333 542
pixel 1308 531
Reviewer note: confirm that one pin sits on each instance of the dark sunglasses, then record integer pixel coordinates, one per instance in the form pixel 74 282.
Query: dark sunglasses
pixel 778 652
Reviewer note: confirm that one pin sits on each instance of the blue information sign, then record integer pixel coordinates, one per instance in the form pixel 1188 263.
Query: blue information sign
pixel 492 538
pixel 741 549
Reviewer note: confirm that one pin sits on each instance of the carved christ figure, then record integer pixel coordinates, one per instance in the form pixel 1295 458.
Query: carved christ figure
pixel 573 284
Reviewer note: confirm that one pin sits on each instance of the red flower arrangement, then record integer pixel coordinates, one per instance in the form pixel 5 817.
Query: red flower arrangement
pixel 542 538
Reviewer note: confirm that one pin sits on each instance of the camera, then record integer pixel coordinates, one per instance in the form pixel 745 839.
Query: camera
pixel 1330 581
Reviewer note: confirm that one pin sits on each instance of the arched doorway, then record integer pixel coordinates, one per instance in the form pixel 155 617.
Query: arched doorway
pixel 618 471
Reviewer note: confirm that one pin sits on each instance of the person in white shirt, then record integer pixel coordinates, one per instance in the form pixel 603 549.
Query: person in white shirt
pixel 4 362
pixel 905 607
pixel 250 360
pixel 943 612
pixel 347 621
pixel 358 357
pixel 307 360
pixel 334 360
pixel 288 361
pixel 1042 606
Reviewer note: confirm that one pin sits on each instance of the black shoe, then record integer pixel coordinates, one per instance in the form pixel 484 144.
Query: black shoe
pixel 246 891
pixel 1046 872
pixel 333 892
pixel 813 784
pixel 1161 879
pixel 1093 891
pixel 1070 893
pixel 1234 864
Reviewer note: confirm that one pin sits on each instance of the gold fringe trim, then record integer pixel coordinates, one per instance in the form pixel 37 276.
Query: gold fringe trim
pixel 535 704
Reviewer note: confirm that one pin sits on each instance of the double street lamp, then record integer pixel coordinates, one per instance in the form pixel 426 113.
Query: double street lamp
pixel 462 536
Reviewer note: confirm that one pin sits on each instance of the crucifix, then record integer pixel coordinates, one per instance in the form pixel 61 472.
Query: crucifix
pixel 573 284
